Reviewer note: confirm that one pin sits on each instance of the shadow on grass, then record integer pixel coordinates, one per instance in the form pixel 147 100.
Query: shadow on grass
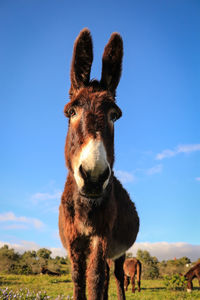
pixel 60 281
pixel 152 289
pixel 163 288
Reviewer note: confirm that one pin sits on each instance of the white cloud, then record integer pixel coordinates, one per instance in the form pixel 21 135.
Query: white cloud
pixel 165 250
pixel 47 201
pixel 15 226
pixel 165 153
pixel 124 177
pixel 20 221
pixel 46 196
pixel 22 247
pixel 58 252
pixel 188 148
pixel 30 246
pixel 154 170
pixel 162 250
pixel 179 149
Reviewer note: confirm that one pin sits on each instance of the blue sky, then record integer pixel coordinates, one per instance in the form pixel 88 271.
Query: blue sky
pixel 157 141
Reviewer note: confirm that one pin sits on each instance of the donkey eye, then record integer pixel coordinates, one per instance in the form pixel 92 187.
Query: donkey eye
pixel 71 112
pixel 113 116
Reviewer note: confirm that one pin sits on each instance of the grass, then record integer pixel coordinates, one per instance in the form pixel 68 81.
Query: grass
pixel 62 285
pixel 53 286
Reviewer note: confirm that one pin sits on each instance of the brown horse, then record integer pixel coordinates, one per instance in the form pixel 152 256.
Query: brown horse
pixel 131 267
pixel 194 272
pixel 97 219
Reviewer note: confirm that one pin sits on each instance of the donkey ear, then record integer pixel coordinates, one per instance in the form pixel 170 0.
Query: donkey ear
pixel 112 63
pixel 81 60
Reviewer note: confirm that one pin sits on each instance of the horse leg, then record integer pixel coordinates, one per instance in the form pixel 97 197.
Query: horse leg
pixel 119 277
pixel 96 272
pixel 133 283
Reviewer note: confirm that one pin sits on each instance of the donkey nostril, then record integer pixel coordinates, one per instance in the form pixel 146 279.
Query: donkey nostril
pixel 103 177
pixel 84 173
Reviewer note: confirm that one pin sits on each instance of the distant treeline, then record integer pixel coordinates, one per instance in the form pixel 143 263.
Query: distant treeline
pixel 32 262
pixel 152 268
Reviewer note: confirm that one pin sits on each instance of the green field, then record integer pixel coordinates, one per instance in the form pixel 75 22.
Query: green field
pixel 62 285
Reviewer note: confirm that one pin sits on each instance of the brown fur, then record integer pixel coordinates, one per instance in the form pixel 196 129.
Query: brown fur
pixel 194 272
pixel 94 229
pixel 132 266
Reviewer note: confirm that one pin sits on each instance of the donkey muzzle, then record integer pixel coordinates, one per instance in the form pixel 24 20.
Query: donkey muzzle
pixel 94 186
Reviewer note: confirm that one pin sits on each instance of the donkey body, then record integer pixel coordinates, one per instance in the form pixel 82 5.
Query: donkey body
pixel 97 219
pixel 194 272
pixel 45 270
pixel 132 266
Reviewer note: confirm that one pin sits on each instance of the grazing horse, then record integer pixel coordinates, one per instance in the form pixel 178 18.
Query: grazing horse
pixel 194 272
pixel 131 267
pixel 97 219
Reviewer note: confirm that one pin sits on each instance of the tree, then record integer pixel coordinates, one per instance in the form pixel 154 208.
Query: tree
pixel 30 262
pixel 9 260
pixel 184 260
pixel 129 255
pixel 150 264
pixel 9 253
pixel 44 253
pixel 29 254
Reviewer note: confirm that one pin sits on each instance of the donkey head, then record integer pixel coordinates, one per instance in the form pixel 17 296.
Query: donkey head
pixel 92 111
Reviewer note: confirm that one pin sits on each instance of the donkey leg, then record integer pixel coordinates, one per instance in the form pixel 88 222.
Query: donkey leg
pixel 96 273
pixel 138 283
pixel 189 286
pixel 106 284
pixel 78 277
pixel 78 261
pixel 119 277
pixel 133 283
pixel 198 277
pixel 126 282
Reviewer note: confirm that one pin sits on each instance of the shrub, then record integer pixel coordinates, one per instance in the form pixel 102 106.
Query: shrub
pixel 151 272
pixel 149 264
pixel 175 282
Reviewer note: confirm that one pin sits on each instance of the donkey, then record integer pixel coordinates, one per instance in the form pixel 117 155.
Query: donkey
pixel 97 219
pixel 194 272
pixel 45 270
pixel 132 266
